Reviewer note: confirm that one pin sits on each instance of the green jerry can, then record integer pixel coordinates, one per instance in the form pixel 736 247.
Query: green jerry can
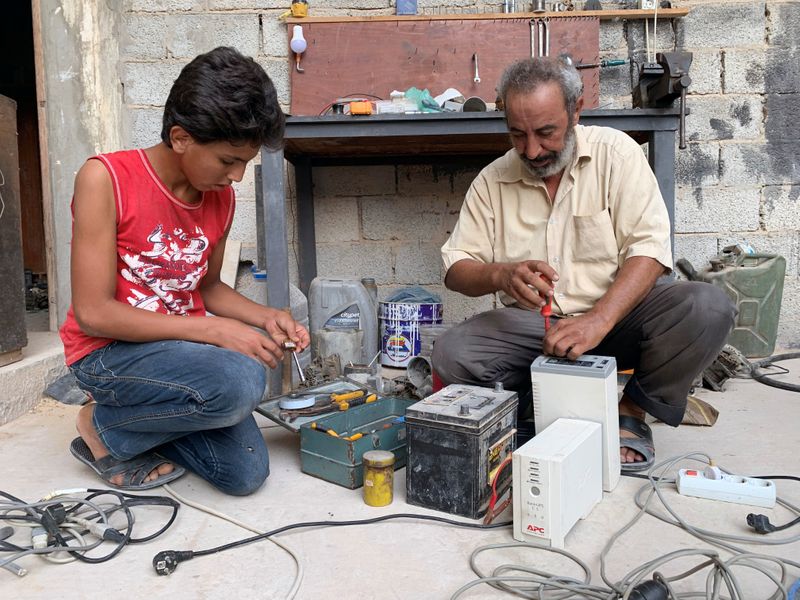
pixel 754 282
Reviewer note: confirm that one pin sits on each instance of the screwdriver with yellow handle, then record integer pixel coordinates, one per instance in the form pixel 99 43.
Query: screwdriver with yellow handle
pixel 323 429
pixel 358 401
pixel 345 396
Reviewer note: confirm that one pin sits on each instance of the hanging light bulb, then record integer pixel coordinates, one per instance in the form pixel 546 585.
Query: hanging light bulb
pixel 298 45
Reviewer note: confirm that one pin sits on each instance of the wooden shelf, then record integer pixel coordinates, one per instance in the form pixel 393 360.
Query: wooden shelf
pixel 603 15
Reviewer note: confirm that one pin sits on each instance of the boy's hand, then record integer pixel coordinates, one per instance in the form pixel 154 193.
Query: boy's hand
pixel 235 335
pixel 281 327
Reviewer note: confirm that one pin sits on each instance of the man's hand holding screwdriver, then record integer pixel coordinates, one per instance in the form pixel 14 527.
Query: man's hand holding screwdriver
pixel 530 283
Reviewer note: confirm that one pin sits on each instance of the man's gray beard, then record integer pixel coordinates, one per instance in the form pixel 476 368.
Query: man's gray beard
pixel 562 159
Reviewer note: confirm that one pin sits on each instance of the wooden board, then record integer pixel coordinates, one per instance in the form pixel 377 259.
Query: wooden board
pixel 603 15
pixel 13 336
pixel 375 57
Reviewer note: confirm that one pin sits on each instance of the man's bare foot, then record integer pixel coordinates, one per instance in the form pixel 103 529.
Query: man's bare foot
pixel 86 430
pixel 627 407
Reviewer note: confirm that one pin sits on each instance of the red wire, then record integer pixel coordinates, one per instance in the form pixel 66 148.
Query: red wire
pixel 493 499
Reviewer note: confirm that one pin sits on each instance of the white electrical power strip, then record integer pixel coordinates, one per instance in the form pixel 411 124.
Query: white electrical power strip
pixel 716 485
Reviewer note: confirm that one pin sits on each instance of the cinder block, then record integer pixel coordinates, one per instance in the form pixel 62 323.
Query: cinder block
pixel 148 83
pixel 695 248
pixel 458 307
pixel 784 244
pixel 278 71
pixel 744 164
pixel 243 227
pixel 161 5
pixel 275 36
pixel 462 179
pixel 193 34
pixel 784 19
pixel 615 82
pixel 145 126
pixel 781 207
pixel 744 71
pixel 663 38
pixel 706 72
pixel 722 25
pixel 418 263
pixel 724 117
pixel 355 181
pixel 144 37
pixel 612 37
pixel 362 259
pixel 783 160
pixel 24 381
pixel 699 210
pixel 698 165
pixel 246 188
pixel 783 71
pixel 336 219
pixel 248 5
pixel 782 123
pixel 402 218
pixel 424 180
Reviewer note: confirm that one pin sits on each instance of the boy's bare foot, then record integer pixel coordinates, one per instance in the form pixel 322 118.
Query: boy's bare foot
pixel 627 407
pixel 86 430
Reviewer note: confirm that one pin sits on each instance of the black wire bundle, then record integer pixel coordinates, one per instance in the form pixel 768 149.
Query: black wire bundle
pixel 61 523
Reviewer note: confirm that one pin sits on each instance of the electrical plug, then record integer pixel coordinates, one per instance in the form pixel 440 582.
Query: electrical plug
pixel 39 538
pixel 650 590
pixel 167 561
pixel 101 530
pixel 760 523
pixel 52 517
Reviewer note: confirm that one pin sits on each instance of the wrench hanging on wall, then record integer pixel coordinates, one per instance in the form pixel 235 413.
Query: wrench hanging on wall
pixel 540 37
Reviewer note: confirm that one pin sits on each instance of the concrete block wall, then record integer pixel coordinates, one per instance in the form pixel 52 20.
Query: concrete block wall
pixel 738 180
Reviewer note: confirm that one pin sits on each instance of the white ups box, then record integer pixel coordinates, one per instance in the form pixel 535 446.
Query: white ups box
pixel 586 389
pixel 557 479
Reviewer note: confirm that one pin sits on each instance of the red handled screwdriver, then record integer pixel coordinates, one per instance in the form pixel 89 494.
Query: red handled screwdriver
pixel 547 309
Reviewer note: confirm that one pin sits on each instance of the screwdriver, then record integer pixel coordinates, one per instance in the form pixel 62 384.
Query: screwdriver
pixel 547 308
pixel 323 429
pixel 357 402
pixel 292 347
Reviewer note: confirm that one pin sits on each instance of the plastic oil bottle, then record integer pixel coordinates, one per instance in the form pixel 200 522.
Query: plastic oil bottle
pixel 343 315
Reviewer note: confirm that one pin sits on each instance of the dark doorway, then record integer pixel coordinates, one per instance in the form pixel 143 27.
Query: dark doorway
pixel 18 82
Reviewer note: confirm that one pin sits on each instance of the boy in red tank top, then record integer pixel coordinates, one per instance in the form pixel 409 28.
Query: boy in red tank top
pixel 174 387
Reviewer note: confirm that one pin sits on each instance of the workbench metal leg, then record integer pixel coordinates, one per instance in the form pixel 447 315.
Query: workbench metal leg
pixel 661 153
pixel 276 251
pixel 306 236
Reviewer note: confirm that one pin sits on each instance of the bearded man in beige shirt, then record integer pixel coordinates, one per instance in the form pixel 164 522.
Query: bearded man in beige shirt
pixel 574 214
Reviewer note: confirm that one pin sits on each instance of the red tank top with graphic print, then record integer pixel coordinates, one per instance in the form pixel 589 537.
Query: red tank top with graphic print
pixel 163 245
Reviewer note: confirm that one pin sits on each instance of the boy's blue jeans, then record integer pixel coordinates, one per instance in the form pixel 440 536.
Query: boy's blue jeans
pixel 190 402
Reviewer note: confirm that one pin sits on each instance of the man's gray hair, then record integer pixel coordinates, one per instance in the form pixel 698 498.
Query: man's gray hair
pixel 528 74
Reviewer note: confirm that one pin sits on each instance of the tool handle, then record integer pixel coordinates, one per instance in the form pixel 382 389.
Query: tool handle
pixel 347 396
pixel 357 402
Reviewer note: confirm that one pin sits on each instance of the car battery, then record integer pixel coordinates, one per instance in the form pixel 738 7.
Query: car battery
pixel 456 441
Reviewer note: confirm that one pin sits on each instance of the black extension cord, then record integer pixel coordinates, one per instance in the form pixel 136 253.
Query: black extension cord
pixel 166 561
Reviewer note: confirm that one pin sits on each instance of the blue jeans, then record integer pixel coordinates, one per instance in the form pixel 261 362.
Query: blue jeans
pixel 190 402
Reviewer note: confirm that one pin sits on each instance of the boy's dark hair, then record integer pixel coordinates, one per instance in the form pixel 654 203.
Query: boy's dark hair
pixel 224 96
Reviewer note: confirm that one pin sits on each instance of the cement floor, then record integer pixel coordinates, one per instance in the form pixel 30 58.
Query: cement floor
pixel 756 434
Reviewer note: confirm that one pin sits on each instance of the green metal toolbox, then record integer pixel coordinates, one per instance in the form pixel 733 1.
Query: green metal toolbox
pixel 380 423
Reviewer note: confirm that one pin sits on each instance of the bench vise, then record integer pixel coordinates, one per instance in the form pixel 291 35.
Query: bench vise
pixel 661 82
